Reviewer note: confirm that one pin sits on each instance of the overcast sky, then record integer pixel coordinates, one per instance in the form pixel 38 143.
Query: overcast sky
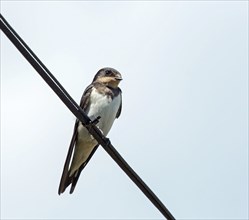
pixel 184 123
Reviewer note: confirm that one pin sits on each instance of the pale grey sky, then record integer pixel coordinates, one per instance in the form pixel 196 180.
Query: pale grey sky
pixel 184 124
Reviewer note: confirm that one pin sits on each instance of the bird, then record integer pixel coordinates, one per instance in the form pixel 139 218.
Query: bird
pixel 101 99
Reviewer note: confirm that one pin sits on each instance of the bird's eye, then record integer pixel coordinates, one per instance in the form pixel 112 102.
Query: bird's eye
pixel 108 72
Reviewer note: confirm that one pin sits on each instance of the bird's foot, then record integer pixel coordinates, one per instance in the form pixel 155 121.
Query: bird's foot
pixel 96 120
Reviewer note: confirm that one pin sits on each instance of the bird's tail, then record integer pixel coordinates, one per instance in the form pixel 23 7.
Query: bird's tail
pixel 66 180
pixel 72 179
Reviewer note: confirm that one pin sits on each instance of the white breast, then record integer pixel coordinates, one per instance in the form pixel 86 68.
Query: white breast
pixel 105 107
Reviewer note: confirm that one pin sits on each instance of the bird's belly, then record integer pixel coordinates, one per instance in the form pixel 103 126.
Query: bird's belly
pixel 105 107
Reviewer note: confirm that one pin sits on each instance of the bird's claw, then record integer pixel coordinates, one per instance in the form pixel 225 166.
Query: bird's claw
pixel 96 120
pixel 93 122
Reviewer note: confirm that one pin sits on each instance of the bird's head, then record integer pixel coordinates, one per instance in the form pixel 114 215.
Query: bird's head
pixel 108 76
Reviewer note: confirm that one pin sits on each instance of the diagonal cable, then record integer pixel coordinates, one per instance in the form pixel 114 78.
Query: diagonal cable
pixel 80 114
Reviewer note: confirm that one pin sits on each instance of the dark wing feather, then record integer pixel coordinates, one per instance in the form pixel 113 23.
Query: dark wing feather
pixel 120 107
pixel 84 102
pixel 65 179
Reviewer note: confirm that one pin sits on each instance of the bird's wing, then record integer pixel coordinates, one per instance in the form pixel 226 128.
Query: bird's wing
pixel 120 107
pixel 65 178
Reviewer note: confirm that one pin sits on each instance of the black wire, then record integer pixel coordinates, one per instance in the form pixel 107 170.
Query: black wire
pixel 79 113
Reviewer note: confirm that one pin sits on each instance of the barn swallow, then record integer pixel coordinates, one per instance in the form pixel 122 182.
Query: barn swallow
pixel 102 98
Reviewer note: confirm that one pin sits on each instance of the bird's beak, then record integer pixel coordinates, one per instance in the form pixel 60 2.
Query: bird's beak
pixel 119 78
